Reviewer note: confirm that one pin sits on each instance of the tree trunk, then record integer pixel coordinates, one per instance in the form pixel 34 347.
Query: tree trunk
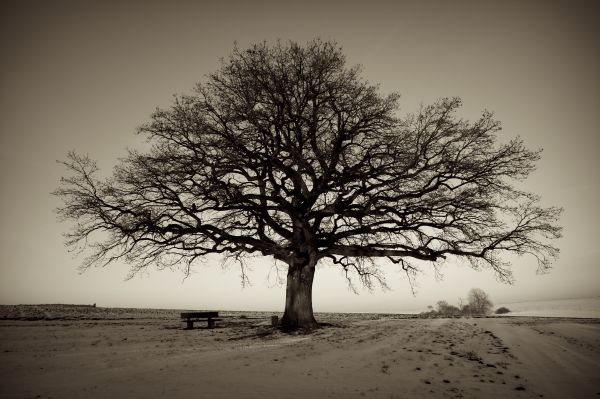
pixel 298 301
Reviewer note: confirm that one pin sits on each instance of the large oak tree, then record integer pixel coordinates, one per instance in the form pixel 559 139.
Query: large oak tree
pixel 287 152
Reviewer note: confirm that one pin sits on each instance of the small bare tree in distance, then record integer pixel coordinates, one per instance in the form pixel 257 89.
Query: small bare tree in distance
pixel 447 310
pixel 479 302
pixel 287 152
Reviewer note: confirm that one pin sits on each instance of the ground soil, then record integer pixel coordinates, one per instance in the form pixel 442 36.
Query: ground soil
pixel 244 357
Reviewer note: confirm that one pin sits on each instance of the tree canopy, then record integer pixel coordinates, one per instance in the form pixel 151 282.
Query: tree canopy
pixel 287 152
pixel 479 302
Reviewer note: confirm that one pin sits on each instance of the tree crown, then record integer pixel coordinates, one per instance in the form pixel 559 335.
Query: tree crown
pixel 287 152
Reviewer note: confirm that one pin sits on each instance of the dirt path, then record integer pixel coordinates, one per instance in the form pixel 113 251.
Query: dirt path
pixel 440 358
pixel 561 359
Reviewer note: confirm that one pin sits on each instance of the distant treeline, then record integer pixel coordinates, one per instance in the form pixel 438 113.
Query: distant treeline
pixel 478 304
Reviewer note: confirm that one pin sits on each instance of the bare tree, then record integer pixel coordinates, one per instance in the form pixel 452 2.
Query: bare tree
pixel 479 302
pixel 464 308
pixel 286 152
pixel 447 310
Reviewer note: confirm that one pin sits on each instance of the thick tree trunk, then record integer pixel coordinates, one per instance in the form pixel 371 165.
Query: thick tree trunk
pixel 298 301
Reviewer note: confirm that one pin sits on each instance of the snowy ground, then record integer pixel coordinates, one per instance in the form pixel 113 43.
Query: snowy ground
pixel 149 355
pixel 579 307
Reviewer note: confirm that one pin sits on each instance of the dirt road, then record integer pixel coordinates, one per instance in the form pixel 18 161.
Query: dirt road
pixel 387 358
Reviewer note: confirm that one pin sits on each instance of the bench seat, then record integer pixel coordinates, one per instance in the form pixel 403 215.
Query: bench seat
pixel 191 317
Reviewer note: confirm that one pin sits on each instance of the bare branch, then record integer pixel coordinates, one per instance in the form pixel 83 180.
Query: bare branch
pixel 286 152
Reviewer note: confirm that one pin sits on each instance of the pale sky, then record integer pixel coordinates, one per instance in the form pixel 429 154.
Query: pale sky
pixel 83 75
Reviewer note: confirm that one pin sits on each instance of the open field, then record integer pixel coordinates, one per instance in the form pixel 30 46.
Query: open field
pixel 574 307
pixel 100 352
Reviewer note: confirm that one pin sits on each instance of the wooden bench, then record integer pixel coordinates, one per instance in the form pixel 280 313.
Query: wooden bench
pixel 191 317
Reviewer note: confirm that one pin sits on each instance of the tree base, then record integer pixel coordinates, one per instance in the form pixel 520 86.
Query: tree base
pixel 289 324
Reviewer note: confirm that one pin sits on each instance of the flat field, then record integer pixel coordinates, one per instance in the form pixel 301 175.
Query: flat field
pixel 86 352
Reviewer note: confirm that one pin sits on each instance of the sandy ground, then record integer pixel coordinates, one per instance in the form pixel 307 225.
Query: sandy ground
pixel 245 358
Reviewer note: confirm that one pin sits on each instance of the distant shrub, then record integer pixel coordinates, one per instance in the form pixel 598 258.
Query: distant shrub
pixel 479 302
pixel 465 310
pixel 428 315
pixel 502 310
pixel 447 310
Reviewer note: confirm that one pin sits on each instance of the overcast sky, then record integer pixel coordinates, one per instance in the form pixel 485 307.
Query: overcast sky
pixel 83 75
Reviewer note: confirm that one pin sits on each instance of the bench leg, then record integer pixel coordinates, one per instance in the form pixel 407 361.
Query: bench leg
pixel 190 324
pixel 211 323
